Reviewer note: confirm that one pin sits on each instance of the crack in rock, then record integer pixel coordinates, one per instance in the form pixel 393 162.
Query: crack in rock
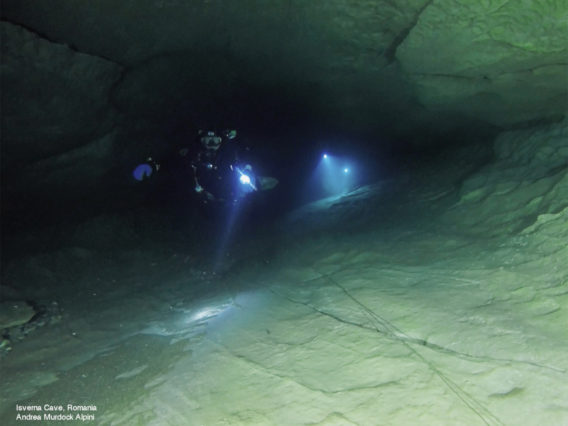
pixel 401 337
pixel 390 51
pixel 71 47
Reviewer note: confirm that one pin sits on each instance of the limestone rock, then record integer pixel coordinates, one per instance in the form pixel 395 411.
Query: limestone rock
pixel 13 313
pixel 495 61
pixel 499 61
pixel 528 178
pixel 51 94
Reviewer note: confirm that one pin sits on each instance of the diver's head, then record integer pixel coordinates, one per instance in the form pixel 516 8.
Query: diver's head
pixel 210 140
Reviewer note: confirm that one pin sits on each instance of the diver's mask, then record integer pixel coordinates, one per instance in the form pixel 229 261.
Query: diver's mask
pixel 211 141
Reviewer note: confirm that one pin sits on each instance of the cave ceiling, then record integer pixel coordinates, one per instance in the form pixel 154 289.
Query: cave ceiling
pixel 399 65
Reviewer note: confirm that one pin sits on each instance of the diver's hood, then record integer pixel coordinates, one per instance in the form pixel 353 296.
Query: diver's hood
pixel 211 141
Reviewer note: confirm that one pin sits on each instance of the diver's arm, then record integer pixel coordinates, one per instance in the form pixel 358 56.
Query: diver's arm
pixel 197 187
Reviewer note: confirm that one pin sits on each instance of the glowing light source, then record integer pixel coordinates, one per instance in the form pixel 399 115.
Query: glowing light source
pixel 332 175
pixel 245 180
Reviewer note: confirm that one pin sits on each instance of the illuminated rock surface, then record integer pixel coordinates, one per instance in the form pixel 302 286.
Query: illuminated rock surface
pixel 15 313
pixel 391 318
pixel 433 293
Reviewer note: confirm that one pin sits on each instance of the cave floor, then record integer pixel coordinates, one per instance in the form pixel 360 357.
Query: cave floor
pixel 378 326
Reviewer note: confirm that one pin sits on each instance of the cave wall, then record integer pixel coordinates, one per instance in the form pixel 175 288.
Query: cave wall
pixel 503 62
pixel 54 99
pixel 367 62
pixel 91 85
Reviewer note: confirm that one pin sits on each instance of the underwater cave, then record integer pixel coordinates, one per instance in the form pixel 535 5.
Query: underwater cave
pixel 386 244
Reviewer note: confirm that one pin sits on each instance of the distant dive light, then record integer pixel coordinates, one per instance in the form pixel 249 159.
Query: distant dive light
pixel 346 170
pixel 324 155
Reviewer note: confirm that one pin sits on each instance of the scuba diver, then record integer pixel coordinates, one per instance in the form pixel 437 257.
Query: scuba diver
pixel 216 162
pixel 218 166
pixel 221 170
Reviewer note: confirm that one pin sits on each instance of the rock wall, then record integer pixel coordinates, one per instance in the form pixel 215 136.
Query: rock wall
pixel 361 63
pixel 54 98
pixel 527 181
pixel 88 85
pixel 501 62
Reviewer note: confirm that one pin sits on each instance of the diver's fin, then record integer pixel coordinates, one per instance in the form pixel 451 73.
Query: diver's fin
pixel 267 182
